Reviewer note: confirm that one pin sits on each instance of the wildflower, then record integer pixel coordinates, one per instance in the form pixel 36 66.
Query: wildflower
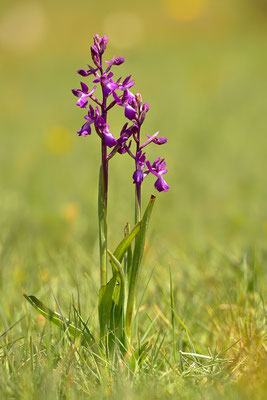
pixel 86 128
pixel 103 128
pixel 83 94
pixel 108 84
pixel 158 169
pixel 138 175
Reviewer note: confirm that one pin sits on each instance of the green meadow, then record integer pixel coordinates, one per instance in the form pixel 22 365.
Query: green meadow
pixel 201 295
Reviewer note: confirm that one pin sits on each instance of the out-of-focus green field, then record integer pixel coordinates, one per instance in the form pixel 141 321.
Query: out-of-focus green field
pixel 202 66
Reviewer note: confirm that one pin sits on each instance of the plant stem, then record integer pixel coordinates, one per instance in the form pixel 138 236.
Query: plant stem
pixel 103 199
pixel 102 216
pixel 138 186
pixel 137 203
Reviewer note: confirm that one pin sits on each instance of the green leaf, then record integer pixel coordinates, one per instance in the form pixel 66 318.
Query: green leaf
pixel 126 241
pixel 58 319
pixel 105 301
pixel 120 277
pixel 137 258
pixel 118 296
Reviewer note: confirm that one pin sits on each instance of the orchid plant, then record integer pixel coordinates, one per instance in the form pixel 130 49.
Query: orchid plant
pixel 116 302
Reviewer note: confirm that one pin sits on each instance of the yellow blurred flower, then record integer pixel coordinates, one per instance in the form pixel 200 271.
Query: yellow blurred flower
pixel 70 212
pixel 44 275
pixel 185 10
pixel 18 274
pixel 58 140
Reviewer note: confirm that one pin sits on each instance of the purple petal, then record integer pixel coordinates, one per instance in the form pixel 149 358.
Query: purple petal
pixel 145 107
pixel 92 91
pixel 126 80
pixel 138 177
pixel 94 50
pixel 84 88
pixel 77 92
pixel 82 102
pixel 160 140
pixel 103 44
pixel 91 112
pixel 119 61
pixel 85 130
pixel 117 99
pixel 83 72
pixel 130 113
pixel 110 141
pixel 161 185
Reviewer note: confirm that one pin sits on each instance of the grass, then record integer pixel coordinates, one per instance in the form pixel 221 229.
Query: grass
pixel 203 335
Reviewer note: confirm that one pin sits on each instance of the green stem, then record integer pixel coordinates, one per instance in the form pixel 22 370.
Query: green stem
pixel 102 221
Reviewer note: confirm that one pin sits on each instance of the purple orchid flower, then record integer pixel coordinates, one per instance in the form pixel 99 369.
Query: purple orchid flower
pixel 108 84
pixel 103 127
pixel 86 128
pixel 128 101
pixel 130 113
pixel 125 99
pixel 138 175
pixel 126 133
pixel 158 169
pixel 83 94
pixel 127 83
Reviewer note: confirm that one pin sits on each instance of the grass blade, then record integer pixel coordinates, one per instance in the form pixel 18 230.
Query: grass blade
pixel 58 319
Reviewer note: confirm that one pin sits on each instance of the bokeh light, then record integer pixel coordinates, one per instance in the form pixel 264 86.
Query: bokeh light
pixel 125 29
pixel 58 140
pixel 185 10
pixel 23 26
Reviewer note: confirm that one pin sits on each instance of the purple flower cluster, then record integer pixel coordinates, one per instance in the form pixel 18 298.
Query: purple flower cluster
pixel 117 93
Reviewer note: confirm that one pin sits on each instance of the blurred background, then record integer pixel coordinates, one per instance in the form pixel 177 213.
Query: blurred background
pixel 201 65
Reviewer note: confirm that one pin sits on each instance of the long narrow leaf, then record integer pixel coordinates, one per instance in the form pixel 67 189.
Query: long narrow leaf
pixel 126 241
pixel 118 295
pixel 117 265
pixel 58 319
pixel 105 300
pixel 137 258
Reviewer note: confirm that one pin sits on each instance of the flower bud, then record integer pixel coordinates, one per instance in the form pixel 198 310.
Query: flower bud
pixel 160 140
pixel 97 39
pixel 145 107
pixel 119 61
pixel 83 72
pixel 134 103
pixel 103 44
pixel 94 50
pixel 95 55
pixel 138 98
